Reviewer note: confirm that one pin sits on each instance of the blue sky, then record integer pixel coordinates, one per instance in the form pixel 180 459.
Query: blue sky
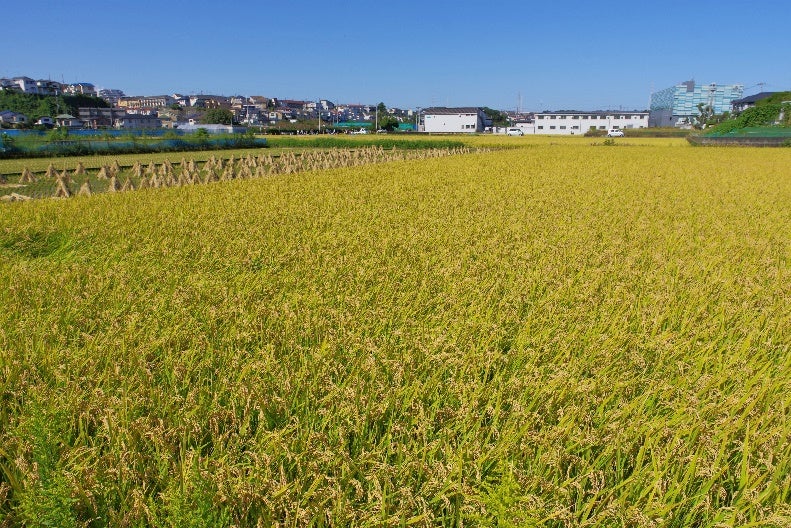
pixel 560 54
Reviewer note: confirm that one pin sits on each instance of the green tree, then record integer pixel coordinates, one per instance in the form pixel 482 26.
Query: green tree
pixel 385 120
pixel 218 116
pixel 499 119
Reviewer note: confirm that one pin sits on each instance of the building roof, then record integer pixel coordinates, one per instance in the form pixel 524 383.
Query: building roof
pixel 592 112
pixel 753 98
pixel 444 110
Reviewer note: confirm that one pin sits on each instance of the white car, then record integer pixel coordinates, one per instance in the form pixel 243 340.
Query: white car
pixel 614 132
pixel 361 131
pixel 515 132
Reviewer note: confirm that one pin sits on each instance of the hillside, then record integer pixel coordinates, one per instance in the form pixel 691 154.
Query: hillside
pixel 35 106
pixel 771 113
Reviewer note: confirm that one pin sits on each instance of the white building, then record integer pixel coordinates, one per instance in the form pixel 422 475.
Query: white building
pixel 110 95
pixel 31 86
pixel 465 120
pixel 572 122
pixel 81 88
pixel 135 121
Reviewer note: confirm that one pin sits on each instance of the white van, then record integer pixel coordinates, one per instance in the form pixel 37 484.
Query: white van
pixel 515 132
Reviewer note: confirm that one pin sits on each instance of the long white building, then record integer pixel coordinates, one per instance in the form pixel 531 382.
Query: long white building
pixel 573 122
pixel 465 120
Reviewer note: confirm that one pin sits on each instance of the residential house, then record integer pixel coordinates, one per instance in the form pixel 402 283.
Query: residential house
pixel 152 101
pixel 262 103
pixel 81 88
pixel 100 117
pixel 280 115
pixel 25 84
pixel 295 105
pixel 31 86
pixel 136 122
pixel 112 96
pixel 68 121
pixel 182 100
pixel 740 105
pixel 47 87
pixel 7 117
pixel 209 101
pixel 249 114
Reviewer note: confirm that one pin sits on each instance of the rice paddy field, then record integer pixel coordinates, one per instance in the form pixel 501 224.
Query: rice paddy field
pixel 557 333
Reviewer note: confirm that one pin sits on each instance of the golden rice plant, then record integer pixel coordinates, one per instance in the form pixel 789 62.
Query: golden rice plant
pixel 559 335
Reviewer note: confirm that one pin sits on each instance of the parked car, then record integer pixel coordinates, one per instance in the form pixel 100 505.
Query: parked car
pixel 615 132
pixel 361 131
pixel 515 132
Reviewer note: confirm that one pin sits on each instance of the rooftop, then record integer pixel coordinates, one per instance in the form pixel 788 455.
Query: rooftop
pixel 753 98
pixel 444 110
pixel 592 112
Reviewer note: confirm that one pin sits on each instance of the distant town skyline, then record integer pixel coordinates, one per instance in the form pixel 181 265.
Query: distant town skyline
pixel 563 55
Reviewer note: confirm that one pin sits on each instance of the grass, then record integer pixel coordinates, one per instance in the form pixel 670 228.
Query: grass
pixel 555 335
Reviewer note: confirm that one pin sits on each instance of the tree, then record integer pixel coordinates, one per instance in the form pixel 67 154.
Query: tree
pixel 385 120
pixel 218 116
pixel 499 119
pixel 707 118
pixel 705 114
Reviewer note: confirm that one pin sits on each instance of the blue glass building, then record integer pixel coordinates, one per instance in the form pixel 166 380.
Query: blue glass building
pixel 678 105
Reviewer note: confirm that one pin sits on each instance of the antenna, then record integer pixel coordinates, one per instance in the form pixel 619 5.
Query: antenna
pixel 760 86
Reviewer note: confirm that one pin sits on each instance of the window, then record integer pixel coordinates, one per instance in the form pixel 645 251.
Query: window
pixel 575 127
pixel 541 127
pixel 575 117
pixel 563 127
pixel 602 128
pixel 552 117
pixel 552 127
